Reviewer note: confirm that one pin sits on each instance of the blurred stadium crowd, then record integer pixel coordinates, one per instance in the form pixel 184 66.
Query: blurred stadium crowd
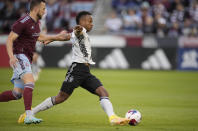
pixel 60 13
pixel 160 17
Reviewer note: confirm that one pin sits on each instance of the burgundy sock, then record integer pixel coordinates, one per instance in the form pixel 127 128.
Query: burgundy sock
pixel 27 95
pixel 7 96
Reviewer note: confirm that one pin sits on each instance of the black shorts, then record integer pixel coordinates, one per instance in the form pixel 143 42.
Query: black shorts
pixel 79 75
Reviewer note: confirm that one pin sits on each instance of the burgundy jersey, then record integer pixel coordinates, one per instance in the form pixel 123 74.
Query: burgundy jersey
pixel 28 31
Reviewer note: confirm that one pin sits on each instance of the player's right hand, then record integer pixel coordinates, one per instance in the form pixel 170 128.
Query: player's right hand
pixel 13 61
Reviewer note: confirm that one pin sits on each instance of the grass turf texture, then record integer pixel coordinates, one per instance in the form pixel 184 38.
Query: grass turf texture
pixel 168 100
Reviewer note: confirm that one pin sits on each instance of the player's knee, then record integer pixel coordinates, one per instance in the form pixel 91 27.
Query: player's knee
pixel 105 93
pixel 102 92
pixel 66 88
pixel 29 85
pixel 61 97
pixel 17 95
pixel 28 78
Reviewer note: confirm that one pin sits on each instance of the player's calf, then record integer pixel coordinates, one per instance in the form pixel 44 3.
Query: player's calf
pixel 108 107
pixel 17 95
pixel 10 95
pixel 61 97
pixel 101 92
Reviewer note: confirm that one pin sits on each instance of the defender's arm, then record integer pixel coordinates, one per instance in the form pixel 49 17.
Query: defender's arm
pixel 9 45
pixel 62 36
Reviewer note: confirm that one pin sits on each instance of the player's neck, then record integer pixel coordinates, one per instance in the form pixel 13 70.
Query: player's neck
pixel 33 15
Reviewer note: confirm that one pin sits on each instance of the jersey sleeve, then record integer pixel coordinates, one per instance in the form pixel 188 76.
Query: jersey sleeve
pixel 84 30
pixel 73 37
pixel 18 27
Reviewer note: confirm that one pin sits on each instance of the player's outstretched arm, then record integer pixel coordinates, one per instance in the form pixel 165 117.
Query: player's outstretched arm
pixel 9 45
pixel 62 36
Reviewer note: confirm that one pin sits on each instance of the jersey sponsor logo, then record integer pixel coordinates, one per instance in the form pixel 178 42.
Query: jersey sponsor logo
pixel 25 19
pixel 114 60
pixel 36 34
pixel 157 61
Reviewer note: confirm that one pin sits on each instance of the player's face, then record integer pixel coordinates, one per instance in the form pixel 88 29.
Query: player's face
pixel 87 22
pixel 41 10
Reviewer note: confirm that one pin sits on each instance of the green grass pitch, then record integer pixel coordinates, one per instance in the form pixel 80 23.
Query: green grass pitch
pixel 168 101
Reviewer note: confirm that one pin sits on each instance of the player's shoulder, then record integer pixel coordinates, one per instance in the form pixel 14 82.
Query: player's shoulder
pixel 24 19
pixel 84 31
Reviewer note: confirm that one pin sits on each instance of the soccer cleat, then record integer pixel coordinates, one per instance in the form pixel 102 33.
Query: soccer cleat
pixel 115 120
pixel 22 118
pixel 32 119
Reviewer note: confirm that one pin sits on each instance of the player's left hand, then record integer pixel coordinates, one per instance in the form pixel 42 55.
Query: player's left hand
pixel 63 35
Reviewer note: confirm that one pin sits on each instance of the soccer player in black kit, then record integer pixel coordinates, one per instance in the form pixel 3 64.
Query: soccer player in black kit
pixel 79 73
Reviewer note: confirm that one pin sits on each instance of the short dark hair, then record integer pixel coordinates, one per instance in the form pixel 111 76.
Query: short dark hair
pixel 34 3
pixel 80 15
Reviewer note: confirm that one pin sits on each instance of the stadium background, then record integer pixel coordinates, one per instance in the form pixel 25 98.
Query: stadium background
pixel 129 38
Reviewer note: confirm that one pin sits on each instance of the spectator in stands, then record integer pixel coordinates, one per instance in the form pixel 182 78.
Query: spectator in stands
pixel 187 27
pixel 174 30
pixel 113 23
pixel 167 4
pixel 179 14
pixel 120 5
pixel 62 20
pixel 52 13
pixel 159 8
pixel 132 22
pixel 8 15
pixel 134 4
pixel 194 32
pixel 146 18
pixel 174 4
pixel 194 11
pixel 160 25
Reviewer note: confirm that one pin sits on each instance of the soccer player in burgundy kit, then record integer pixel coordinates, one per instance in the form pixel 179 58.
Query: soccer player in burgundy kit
pixel 20 47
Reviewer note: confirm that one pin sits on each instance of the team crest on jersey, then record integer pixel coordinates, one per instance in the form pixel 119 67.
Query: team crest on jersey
pixel 32 27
